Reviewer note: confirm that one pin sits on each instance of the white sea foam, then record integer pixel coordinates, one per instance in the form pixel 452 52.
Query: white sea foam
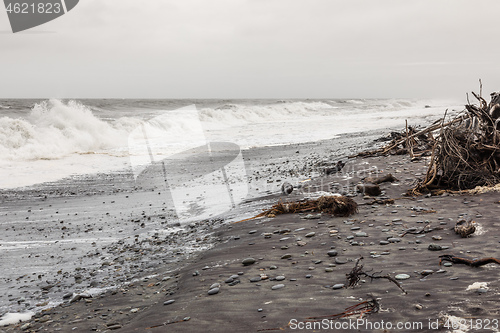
pixel 14 318
pixel 58 139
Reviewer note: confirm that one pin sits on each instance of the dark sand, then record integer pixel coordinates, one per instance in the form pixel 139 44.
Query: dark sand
pixel 310 273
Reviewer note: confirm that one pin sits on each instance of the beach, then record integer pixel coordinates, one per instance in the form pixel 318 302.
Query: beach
pixel 295 275
pixel 151 250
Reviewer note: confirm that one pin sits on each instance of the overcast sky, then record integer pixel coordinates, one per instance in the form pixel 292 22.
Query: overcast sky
pixel 256 49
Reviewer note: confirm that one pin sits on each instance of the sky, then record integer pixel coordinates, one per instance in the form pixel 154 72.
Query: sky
pixel 256 49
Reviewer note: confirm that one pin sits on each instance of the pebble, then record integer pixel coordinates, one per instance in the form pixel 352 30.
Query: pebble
pixel 361 234
pixel 384 242
pixel 215 285
pixel 418 307
pixel 438 238
pixel 394 240
pixel 300 229
pixel 402 277
pixel 447 264
pixel 273 267
pixel 167 302
pixel 332 253
pixel 286 256
pixel 252 232
pixel 311 234
pixel 280 278
pixel 328 269
pixel 259 310
pixel 340 261
pixel 213 291
pixel 308 276
pixel 278 286
pixel 426 272
pixel 255 279
pixel 248 261
pixel 338 286
pixel 434 247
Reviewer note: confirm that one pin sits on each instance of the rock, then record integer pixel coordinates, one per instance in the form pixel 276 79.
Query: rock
pixel 25 327
pixel 114 326
pixel 383 242
pixel 311 234
pixel 435 247
pixel 286 256
pixel 280 278
pixel 278 286
pixel 332 253
pixel 361 234
pixel 248 261
pixel 311 217
pixel 338 286
pixel 171 301
pixel 255 279
pixel 418 307
pixel 426 272
pixel 367 189
pixel 213 291
pixel 340 261
pixel 215 285
pixel 286 188
pixel 402 277
pixel 394 240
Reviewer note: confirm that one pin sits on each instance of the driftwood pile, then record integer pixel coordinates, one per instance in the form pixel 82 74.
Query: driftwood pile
pixel 467 151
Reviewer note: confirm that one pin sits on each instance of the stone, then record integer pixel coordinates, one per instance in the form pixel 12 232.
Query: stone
pixel 248 261
pixel 213 291
pixel 338 286
pixel 171 301
pixel 255 279
pixel 280 278
pixel 340 261
pixel 426 272
pixel 402 277
pixel 278 286
pixel 286 256
pixel 361 234
pixel 332 253
pixel 435 247
pixel 394 240
pixel 311 234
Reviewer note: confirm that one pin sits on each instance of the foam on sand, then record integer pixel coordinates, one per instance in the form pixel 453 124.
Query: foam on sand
pixel 14 318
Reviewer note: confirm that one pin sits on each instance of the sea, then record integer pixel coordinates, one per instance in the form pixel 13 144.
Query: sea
pixel 82 178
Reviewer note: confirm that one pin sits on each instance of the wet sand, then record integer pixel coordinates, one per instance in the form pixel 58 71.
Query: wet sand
pixel 291 255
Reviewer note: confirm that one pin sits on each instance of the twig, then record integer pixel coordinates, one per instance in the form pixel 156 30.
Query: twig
pixel 469 262
pixel 354 276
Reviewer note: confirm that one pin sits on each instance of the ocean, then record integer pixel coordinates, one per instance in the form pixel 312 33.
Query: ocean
pixel 97 193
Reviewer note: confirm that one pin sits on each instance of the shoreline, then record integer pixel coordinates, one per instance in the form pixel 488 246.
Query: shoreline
pixel 179 300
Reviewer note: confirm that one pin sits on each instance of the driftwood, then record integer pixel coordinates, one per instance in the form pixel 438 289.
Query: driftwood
pixel 362 308
pixel 424 230
pixel 335 205
pixel 421 142
pixel 354 276
pixel 468 262
pixel 466 153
